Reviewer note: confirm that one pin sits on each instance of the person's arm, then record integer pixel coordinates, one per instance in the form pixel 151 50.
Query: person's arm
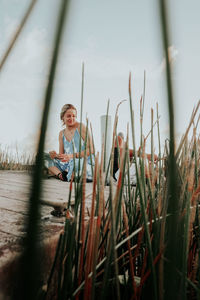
pixel 155 157
pixel 65 157
pixel 53 154
pixel 61 146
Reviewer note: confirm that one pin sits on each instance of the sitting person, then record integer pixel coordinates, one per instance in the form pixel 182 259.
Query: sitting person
pixel 62 164
pixel 119 144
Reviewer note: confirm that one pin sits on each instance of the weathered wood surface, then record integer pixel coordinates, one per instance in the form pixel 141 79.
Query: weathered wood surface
pixel 15 189
pixel 14 197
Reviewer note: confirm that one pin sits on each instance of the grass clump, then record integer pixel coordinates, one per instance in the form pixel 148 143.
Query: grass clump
pixel 119 249
pixel 135 241
pixel 10 160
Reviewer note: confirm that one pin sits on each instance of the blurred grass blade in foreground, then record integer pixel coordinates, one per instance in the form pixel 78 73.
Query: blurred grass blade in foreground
pixel 30 267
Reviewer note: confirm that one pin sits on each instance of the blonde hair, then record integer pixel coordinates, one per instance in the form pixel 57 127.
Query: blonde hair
pixel 65 108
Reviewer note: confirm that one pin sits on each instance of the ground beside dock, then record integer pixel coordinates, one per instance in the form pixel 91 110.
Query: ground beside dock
pixel 14 196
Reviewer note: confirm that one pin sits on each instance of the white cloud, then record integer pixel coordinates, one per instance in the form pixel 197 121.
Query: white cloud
pixel 35 47
pixel 27 66
pixel 97 64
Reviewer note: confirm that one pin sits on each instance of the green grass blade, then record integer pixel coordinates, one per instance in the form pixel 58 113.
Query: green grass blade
pixel 30 256
pixel 17 33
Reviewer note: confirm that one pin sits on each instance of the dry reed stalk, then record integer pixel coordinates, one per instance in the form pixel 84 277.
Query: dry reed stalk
pixel 119 183
pixel 89 257
pixel 146 275
pixel 191 177
pixel 152 175
pixel 118 105
pixel 102 178
pixel 143 154
pixel 191 256
pixel 197 123
pixel 97 226
pixel 146 250
pixel 105 136
pixel 82 241
pixel 195 194
pixel 129 251
pixel 152 157
pixel 108 222
pixel 101 209
pixel 17 33
pixel 141 118
pixel 184 170
pixel 161 247
pixel 112 237
pixel 159 206
pixel 147 172
pixel 71 182
pixel 194 266
pixel 142 273
pixel 119 258
pixel 146 137
pixel 92 137
pixel 139 242
pixel 187 130
pixel 113 145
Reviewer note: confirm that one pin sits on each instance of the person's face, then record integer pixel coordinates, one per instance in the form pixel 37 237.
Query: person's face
pixel 69 117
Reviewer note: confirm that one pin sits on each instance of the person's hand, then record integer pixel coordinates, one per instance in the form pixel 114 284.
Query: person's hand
pixel 65 157
pixel 53 154
pixel 155 157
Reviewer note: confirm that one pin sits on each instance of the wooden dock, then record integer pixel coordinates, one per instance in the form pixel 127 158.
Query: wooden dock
pixel 14 197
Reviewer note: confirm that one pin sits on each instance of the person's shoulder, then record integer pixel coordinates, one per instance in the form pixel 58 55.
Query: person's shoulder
pixel 81 125
pixel 61 133
pixel 120 140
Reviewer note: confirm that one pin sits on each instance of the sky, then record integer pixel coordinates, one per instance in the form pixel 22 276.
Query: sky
pixel 112 39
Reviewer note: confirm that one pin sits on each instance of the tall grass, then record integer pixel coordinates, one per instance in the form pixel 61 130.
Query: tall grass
pixel 136 243
pixel 121 250
pixel 30 266
pixel 13 160
pixel 17 33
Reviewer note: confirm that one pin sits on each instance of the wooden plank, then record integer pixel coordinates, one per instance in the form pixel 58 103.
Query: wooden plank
pixel 13 226
pixel 11 223
pixel 14 198
pixel 47 185
pixel 23 196
pixel 12 187
pixel 19 210
pixel 12 205
pixel 6 239
pixel 20 195
pixel 15 192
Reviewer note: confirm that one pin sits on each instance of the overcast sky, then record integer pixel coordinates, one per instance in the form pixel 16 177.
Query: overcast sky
pixel 112 38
